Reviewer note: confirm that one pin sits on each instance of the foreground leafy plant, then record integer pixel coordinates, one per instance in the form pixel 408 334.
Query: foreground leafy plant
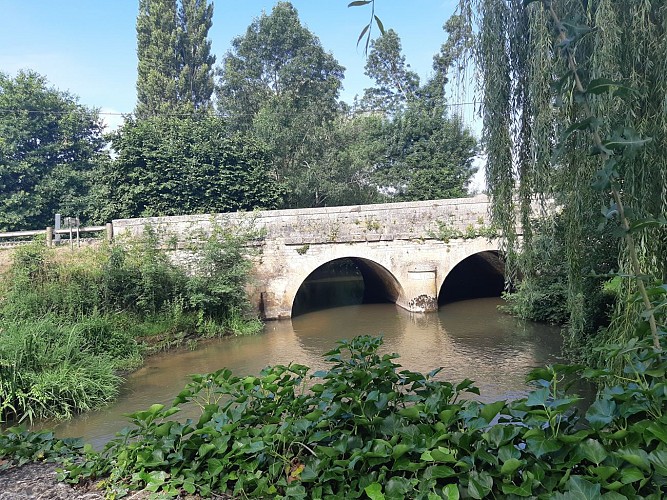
pixel 366 428
pixel 19 446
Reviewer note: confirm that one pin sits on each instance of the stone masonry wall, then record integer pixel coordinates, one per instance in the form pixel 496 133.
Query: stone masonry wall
pixel 411 220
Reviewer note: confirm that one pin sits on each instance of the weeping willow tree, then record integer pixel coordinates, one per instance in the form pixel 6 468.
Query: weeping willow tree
pixel 570 90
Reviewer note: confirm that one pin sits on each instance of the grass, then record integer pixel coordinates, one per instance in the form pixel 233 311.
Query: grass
pixel 72 321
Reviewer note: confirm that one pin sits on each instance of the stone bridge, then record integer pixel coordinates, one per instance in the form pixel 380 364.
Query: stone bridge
pixel 406 252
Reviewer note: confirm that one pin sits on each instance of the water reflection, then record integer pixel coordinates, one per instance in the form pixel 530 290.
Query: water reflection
pixel 469 339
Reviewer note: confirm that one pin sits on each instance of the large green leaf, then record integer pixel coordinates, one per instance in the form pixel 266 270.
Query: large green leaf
pixel 635 456
pixel 593 450
pixel 601 413
pixel 451 492
pixel 510 466
pixel 582 489
pixel 659 460
pixel 397 487
pixel 540 445
pixel 490 410
pixel 479 484
pixel 374 491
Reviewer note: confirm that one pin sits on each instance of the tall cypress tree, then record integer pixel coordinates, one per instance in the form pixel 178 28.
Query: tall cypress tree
pixel 175 71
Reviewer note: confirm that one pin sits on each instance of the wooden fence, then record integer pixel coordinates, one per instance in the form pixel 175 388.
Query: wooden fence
pixel 16 238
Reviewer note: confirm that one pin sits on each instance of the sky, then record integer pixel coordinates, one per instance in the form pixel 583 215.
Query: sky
pixel 88 47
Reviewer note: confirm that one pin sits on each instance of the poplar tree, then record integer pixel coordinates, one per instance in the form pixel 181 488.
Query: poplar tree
pixel 175 70
pixel 158 68
pixel 196 72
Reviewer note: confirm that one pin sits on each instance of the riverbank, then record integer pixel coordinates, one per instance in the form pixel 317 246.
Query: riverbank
pixel 72 321
pixel 39 481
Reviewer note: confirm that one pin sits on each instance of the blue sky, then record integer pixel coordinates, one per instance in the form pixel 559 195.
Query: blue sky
pixel 89 46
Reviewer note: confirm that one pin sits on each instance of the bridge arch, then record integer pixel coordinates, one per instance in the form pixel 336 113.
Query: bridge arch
pixel 479 274
pixel 375 284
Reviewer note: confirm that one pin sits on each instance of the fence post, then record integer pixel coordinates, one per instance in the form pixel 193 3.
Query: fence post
pixel 57 226
pixel 109 232
pixel 49 236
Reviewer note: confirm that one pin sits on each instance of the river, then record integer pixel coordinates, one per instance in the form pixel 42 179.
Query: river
pixel 469 339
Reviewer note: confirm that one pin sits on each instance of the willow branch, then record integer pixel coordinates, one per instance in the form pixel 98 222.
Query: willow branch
pixel 625 223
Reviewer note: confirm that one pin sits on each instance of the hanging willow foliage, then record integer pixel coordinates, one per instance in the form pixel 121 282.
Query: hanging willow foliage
pixel 530 100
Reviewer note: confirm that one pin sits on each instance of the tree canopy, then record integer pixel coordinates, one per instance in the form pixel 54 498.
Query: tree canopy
pixel 395 83
pixel 176 165
pixel 278 83
pixel 427 154
pixel 49 145
pixel 278 136
pixel 175 69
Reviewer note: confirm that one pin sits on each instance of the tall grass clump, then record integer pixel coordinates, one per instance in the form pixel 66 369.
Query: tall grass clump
pixel 71 321
pixel 50 369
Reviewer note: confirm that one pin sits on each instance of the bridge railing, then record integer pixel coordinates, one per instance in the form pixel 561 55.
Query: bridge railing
pixel 72 235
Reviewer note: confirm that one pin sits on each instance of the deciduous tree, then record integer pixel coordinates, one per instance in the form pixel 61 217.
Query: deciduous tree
pixel 395 83
pixel 428 154
pixel 278 83
pixel 175 69
pixel 173 166
pixel 196 82
pixel 49 144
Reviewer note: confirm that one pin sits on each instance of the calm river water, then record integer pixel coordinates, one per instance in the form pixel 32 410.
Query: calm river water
pixel 469 339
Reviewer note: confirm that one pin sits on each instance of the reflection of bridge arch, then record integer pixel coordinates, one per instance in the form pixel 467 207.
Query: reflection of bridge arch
pixel 481 274
pixel 379 284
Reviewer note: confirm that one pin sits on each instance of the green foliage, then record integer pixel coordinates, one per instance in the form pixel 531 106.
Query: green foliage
pixel 356 146
pixel 158 68
pixel 542 293
pixel 52 368
pixel 539 132
pixel 217 289
pixel 429 156
pixel 395 83
pixel 366 427
pixel 19 446
pixel 172 166
pixel 425 154
pixel 175 67
pixel 445 231
pixel 49 145
pixel 196 82
pixel 279 84
pixel 72 321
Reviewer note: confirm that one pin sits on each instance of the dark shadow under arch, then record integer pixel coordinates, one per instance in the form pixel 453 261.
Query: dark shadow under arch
pixel 480 275
pixel 345 281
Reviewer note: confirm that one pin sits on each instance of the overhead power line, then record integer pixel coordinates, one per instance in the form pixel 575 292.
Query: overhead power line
pixel 110 113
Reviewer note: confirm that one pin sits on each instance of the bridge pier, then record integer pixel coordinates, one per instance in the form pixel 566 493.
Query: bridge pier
pixel 420 292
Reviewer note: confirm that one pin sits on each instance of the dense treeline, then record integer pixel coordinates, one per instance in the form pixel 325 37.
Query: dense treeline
pixel 265 129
